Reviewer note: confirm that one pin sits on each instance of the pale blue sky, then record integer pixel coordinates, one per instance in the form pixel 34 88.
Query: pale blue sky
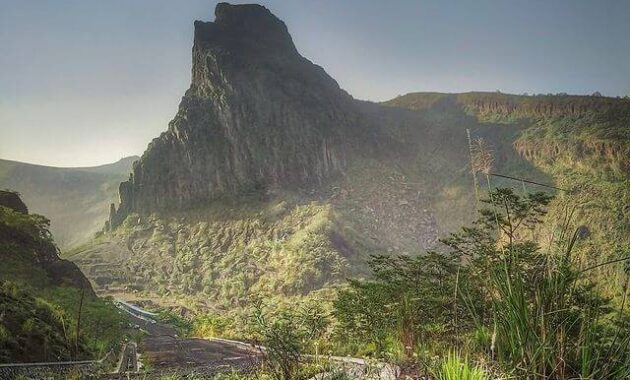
pixel 85 82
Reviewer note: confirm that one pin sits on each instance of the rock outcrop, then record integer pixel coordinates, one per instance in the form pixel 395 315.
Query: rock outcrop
pixel 257 115
pixel 26 238
pixel 12 200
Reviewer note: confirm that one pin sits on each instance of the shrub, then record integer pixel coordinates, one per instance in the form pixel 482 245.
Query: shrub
pixel 286 335
pixel 409 298
pixel 455 367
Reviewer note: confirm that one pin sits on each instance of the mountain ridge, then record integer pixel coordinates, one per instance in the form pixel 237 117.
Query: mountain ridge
pixel 254 116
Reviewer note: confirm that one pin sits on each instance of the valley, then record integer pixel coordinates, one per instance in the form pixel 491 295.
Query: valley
pixel 481 231
pixel 76 199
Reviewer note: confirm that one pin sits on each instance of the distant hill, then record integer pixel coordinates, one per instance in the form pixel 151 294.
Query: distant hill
pixel 75 199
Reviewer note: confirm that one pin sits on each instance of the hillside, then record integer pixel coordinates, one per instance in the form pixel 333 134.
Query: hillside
pixel 40 294
pixel 273 181
pixel 75 199
pixel 582 143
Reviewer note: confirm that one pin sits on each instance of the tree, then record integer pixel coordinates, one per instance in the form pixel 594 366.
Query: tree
pixel 287 334
pixel 408 299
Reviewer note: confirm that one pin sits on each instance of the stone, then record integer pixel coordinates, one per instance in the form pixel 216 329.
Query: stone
pixel 12 200
pixel 257 115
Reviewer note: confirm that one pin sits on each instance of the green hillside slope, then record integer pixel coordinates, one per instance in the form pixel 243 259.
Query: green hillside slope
pixel 581 143
pixel 40 296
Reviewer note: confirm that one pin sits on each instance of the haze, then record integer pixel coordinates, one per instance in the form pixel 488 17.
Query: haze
pixel 88 82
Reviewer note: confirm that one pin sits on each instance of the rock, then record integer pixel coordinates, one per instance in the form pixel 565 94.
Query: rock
pixel 257 115
pixel 37 247
pixel 12 200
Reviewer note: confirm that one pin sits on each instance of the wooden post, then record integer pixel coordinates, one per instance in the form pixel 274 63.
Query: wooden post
pixel 76 339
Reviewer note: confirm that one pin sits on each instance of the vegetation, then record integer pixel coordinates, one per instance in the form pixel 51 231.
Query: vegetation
pixel 532 313
pixel 223 254
pixel 39 315
pixel 409 298
pixel 454 367
pixel 286 335
pixel 524 291
pixel 41 325
pixel 495 305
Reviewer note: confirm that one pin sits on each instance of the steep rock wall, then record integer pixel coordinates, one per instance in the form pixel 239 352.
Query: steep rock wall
pixel 257 114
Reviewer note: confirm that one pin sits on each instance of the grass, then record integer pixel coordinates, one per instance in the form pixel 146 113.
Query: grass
pixel 272 248
pixel 39 314
pixel 456 367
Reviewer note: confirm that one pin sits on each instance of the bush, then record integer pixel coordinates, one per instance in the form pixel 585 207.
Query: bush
pixel 286 334
pixel 454 367
pixel 409 298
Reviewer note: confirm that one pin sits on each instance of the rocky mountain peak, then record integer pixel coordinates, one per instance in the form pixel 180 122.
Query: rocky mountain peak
pixel 245 28
pixel 257 115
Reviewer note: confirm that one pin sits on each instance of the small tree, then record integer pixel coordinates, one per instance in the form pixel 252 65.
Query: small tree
pixel 286 334
pixel 409 298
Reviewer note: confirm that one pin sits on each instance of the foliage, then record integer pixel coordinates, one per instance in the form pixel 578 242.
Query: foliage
pixel 210 325
pixel 455 367
pixel 33 225
pixel 39 317
pixel 30 325
pixel 547 318
pixel 102 324
pixel 225 253
pixel 41 325
pixel 183 326
pixel 535 313
pixel 410 298
pixel 286 334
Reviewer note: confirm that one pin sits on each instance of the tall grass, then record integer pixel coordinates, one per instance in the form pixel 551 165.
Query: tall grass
pixel 551 323
pixel 456 367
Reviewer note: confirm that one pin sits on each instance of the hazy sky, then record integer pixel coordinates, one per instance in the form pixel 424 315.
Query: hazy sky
pixel 85 82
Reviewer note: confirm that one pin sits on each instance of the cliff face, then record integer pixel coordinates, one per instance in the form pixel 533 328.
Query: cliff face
pixel 13 201
pixel 257 114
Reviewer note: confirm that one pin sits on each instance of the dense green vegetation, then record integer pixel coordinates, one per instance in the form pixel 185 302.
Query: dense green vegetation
pixel 223 254
pixel 514 307
pixel 495 305
pixel 41 325
pixel 39 312
pixel 529 311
